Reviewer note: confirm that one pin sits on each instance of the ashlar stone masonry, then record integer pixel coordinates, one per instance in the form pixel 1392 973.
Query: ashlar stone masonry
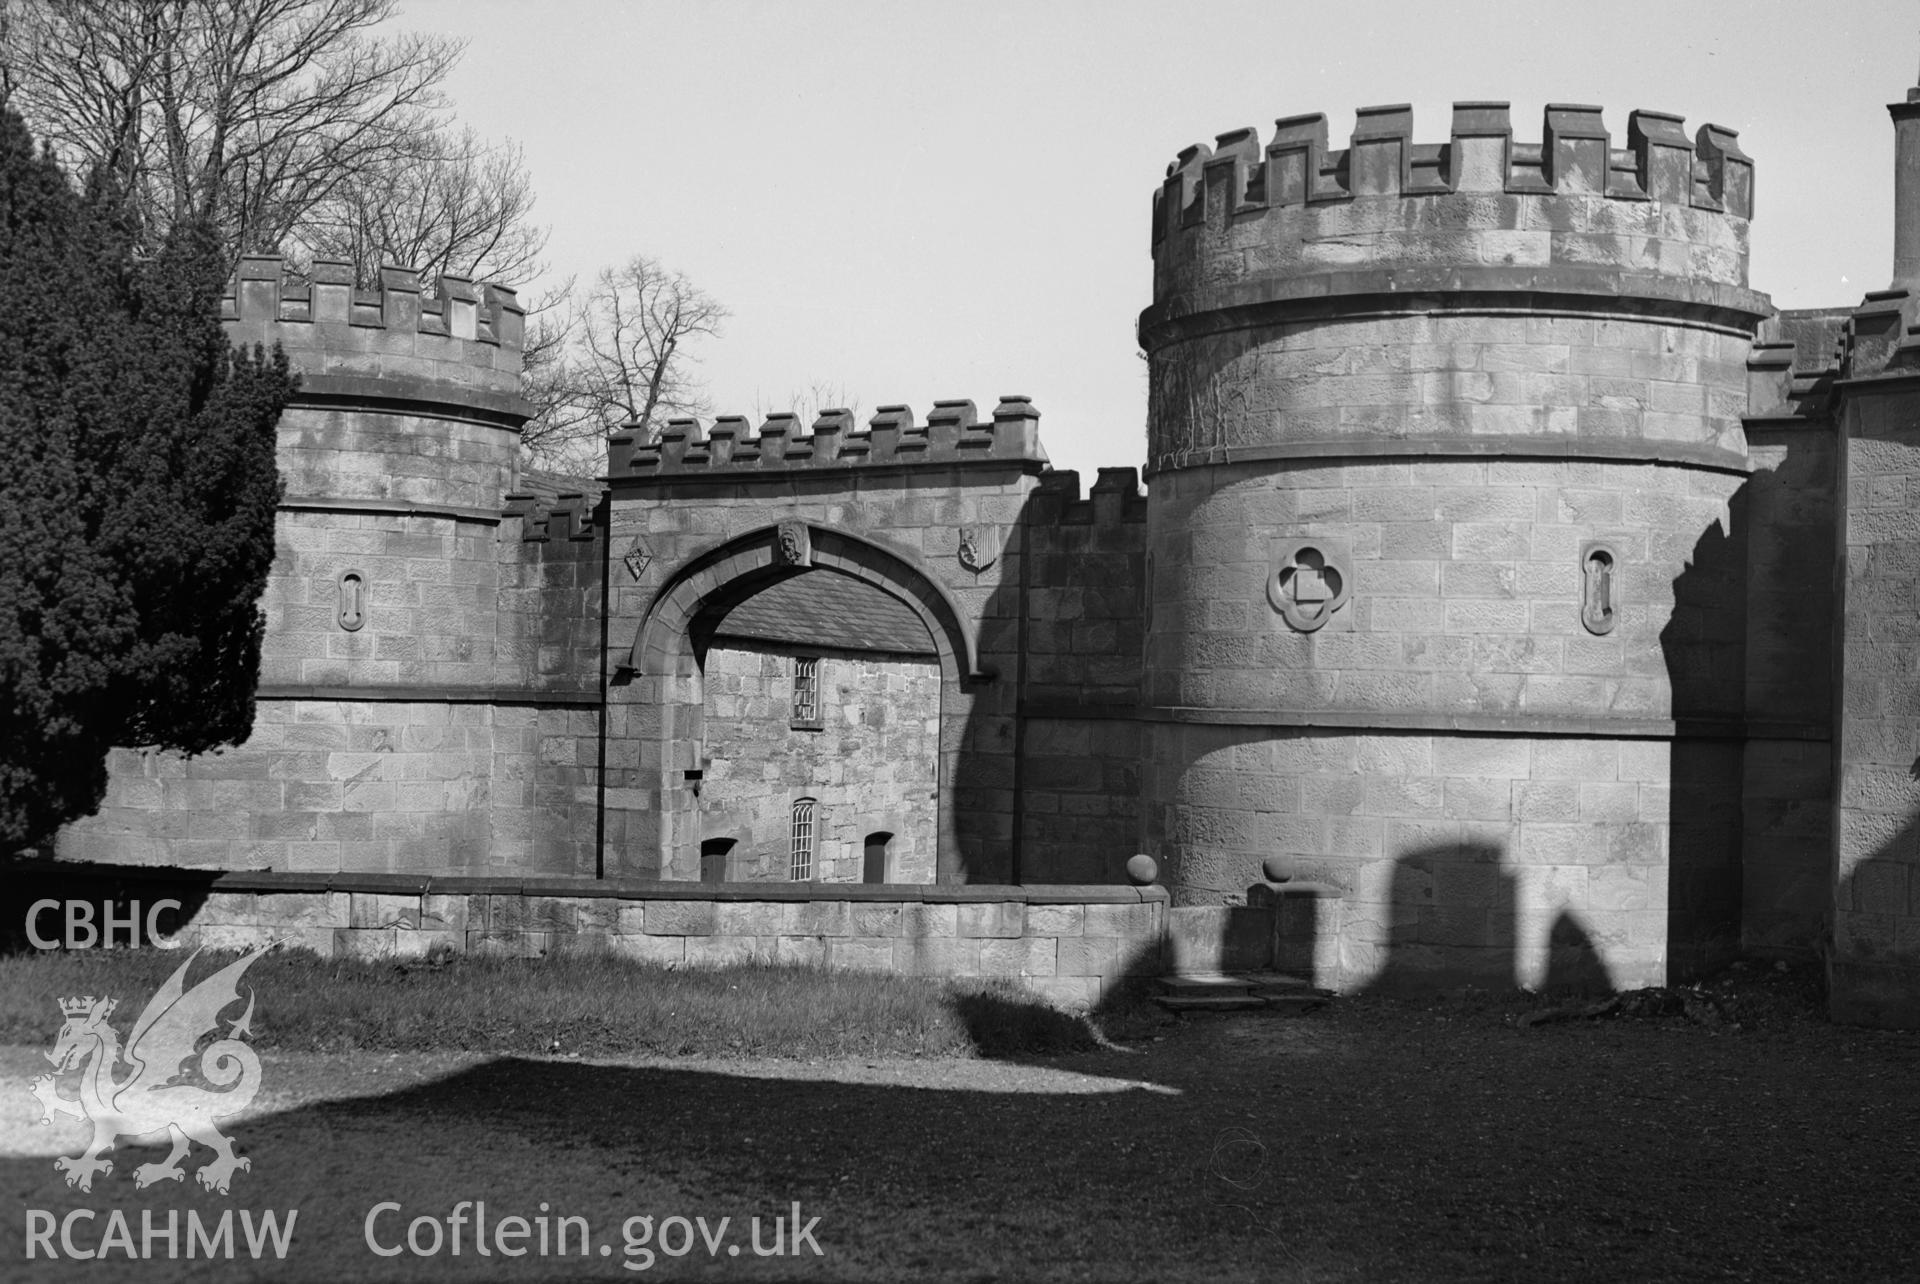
pixel 1519 596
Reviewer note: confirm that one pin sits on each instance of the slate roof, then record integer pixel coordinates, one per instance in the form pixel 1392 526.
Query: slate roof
pixel 827 609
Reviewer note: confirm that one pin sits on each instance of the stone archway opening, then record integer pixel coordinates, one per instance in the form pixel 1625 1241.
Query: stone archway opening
pixel 823 687
pixel 656 824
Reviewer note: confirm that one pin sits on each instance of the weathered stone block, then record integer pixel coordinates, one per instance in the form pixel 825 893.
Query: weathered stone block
pixel 801 951
pixel 749 918
pixel 364 942
pixel 517 945
pixel 1091 956
pixel 991 918
pixel 875 920
pixel 929 920
pixel 1027 956
pixel 937 956
pixel 816 918
pixel 302 909
pixel 1134 921
pixel 670 950
pixel 1056 920
pixel 864 954
pixel 680 918
pixel 383 910
pixel 718 951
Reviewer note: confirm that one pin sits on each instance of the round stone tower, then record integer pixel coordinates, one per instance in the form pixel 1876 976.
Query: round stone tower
pixel 1446 574
pixel 378 728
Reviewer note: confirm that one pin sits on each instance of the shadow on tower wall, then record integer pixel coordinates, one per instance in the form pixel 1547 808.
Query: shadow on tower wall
pixel 1047 776
pixel 1704 647
pixel 1424 945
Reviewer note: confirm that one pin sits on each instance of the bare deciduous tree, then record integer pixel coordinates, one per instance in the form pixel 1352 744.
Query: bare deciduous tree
pixel 247 115
pixel 455 204
pixel 621 358
pixel 808 404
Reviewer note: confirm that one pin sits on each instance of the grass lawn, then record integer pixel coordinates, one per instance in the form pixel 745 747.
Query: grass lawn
pixel 1724 1134
pixel 585 1003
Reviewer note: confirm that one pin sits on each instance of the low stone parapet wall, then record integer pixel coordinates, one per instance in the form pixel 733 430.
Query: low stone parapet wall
pixel 1071 944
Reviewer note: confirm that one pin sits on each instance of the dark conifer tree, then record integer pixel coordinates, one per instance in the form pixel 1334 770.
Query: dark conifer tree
pixel 139 532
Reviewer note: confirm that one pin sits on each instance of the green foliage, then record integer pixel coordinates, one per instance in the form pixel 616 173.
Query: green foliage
pixel 136 541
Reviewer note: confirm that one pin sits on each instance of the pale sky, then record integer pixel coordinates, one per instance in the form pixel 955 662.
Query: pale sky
pixel 918 201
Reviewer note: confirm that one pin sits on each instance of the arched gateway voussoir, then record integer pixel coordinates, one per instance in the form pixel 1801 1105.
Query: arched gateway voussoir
pixel 731 571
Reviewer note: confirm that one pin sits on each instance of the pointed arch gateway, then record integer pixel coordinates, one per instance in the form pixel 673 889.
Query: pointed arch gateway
pixel 654 826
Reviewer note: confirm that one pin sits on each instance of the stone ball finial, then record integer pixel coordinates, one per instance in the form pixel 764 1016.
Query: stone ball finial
pixel 1142 869
pixel 1278 869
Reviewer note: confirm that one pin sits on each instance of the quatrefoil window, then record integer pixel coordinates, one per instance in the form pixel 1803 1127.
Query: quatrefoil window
pixel 1310 579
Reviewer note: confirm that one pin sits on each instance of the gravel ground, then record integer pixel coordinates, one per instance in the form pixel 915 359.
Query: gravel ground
pixel 1684 1137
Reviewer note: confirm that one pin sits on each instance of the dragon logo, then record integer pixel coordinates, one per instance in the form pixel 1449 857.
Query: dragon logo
pixel 145 1090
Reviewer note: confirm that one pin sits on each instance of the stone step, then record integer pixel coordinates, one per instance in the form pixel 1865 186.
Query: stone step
pixel 1212 1003
pixel 1204 983
pixel 1235 983
pixel 1278 983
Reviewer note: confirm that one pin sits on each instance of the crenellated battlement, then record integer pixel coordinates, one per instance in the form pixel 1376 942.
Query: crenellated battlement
pixel 567 515
pixel 1664 217
pixel 1116 497
pixel 1574 158
pixel 1795 360
pixel 459 333
pixel 953 434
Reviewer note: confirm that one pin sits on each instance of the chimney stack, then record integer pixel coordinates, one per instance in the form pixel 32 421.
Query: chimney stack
pixel 1906 190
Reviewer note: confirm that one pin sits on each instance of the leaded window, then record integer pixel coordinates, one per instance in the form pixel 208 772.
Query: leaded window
pixel 800 869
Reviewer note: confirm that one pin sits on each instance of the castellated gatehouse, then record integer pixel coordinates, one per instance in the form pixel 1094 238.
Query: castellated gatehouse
pixel 1514 596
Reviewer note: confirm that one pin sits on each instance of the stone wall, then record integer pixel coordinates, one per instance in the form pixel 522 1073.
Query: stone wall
pixel 1447 588
pixel 704 509
pixel 1875 967
pixel 1072 945
pixel 360 786
pixel 870 765
pixel 1081 743
pixel 441 714
pixel 1474 857
pixel 1787 779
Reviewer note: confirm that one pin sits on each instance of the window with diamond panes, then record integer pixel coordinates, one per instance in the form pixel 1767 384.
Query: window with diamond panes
pixel 801 868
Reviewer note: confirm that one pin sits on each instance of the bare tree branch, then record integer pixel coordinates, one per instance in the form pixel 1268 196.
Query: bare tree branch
pixel 624 358
pixel 249 114
pixel 808 404
pixel 454 205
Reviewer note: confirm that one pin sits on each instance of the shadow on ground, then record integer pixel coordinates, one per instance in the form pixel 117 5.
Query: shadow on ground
pixel 1375 1141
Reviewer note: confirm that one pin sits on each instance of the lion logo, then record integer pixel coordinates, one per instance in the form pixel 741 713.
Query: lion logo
pixel 142 1091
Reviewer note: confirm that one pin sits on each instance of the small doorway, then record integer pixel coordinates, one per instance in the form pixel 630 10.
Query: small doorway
pixel 714 855
pixel 874 868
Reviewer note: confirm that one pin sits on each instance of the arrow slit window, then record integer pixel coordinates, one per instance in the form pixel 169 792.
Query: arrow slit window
pixel 1597 563
pixel 353 601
